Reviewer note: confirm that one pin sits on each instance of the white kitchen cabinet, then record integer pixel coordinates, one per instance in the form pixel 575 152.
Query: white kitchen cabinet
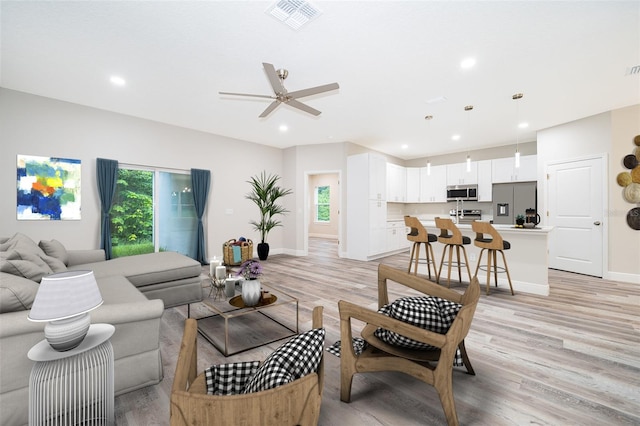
pixel 396 183
pixel 485 182
pixel 457 174
pixel 413 185
pixel 505 170
pixel 366 206
pixel 433 185
pixel 396 236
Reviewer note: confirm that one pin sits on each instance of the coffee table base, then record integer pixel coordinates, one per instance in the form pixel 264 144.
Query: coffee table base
pixel 249 332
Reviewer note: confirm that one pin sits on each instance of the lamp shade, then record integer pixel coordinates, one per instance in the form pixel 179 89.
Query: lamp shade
pixel 65 295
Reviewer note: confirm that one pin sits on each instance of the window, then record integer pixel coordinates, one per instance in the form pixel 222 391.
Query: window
pixel 322 204
pixel 153 210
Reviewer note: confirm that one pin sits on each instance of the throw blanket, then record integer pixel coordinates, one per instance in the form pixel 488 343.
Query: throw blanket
pixel 237 254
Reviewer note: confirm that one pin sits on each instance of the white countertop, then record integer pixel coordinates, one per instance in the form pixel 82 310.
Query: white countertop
pixel 430 223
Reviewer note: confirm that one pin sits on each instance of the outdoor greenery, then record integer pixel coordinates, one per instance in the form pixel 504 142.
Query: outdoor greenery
pixel 323 207
pixel 132 213
pixel 265 192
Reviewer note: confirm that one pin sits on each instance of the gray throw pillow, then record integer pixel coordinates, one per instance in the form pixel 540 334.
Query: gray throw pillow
pixel 23 264
pixel 54 248
pixel 16 293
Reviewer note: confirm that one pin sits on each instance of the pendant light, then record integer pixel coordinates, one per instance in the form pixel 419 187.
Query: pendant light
pixel 468 108
pixel 517 98
pixel 428 118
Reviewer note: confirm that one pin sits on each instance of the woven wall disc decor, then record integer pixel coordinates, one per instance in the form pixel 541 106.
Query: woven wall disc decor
pixel 632 192
pixel 633 218
pixel 630 161
pixel 623 178
pixel 630 181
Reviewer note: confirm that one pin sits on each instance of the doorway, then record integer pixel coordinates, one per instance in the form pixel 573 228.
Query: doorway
pixel 322 210
pixel 575 208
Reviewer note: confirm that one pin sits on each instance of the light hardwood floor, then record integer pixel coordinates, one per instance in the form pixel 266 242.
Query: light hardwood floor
pixel 572 358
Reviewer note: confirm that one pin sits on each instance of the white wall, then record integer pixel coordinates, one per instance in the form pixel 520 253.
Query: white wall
pixel 33 125
pixel 609 133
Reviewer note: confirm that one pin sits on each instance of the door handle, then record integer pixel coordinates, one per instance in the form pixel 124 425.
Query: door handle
pixel 597 223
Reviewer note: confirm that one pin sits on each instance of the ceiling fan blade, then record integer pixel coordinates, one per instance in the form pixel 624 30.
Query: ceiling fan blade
pixel 269 109
pixel 275 81
pixel 303 107
pixel 313 90
pixel 247 94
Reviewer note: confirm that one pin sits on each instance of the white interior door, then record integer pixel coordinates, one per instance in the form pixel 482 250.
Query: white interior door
pixel 575 210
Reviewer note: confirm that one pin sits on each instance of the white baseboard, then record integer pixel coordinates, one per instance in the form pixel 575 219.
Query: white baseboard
pixel 624 277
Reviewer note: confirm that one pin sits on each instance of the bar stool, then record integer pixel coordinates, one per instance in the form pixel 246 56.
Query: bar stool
pixel 487 238
pixel 419 235
pixel 451 237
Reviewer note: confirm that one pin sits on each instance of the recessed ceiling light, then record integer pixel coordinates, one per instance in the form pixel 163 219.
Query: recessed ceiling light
pixel 117 80
pixel 283 128
pixel 523 125
pixel 455 137
pixel 468 63
pixel 404 146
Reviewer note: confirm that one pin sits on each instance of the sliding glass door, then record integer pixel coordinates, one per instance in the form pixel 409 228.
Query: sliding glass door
pixel 153 211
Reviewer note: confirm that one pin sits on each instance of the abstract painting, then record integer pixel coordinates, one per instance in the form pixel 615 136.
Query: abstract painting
pixel 48 188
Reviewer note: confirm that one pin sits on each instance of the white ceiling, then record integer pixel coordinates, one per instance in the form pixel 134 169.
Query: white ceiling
pixel 570 59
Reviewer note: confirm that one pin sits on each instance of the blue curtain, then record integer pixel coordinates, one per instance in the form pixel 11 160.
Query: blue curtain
pixel 200 180
pixel 107 175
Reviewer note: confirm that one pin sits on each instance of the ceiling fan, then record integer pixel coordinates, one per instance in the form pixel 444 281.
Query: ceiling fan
pixel 276 78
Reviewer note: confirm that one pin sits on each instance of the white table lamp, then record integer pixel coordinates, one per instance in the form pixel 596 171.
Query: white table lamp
pixel 64 301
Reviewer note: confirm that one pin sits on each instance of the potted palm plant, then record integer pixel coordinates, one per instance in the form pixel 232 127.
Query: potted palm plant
pixel 265 192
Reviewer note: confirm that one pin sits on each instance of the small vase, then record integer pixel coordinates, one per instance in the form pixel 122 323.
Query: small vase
pixel 251 292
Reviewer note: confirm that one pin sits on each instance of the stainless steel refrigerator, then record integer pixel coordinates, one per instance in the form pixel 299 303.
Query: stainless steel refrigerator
pixel 512 199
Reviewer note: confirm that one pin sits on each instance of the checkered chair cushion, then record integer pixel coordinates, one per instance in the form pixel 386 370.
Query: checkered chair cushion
pixel 296 358
pixel 229 379
pixel 427 312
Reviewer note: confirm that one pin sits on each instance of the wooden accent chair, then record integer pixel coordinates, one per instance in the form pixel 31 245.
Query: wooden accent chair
pixel 434 367
pixel 451 237
pixel 296 403
pixel 487 238
pixel 419 235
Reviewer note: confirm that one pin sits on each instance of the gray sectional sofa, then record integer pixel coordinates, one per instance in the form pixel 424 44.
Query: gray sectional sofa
pixel 135 290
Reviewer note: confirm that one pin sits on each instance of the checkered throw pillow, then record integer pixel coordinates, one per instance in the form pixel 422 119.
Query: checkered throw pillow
pixel 294 359
pixel 427 312
pixel 229 379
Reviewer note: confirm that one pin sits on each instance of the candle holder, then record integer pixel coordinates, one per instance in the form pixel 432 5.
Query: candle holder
pixel 217 288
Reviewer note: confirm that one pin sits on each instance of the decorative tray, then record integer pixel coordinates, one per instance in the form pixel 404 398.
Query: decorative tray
pixel 239 303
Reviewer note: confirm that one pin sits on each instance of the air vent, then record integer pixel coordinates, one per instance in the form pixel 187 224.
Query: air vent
pixel 294 13
pixel 633 70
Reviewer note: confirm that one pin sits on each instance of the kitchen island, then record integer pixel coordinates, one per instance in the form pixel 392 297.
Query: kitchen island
pixel 527 259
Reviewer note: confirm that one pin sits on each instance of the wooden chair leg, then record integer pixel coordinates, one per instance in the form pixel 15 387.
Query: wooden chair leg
pixel 431 260
pixel 466 262
pixel 458 263
pixel 445 392
pixel 465 359
pixel 417 259
pixel 475 274
pixel 413 250
pixel 489 258
pixel 506 268
pixel 495 266
pixel 449 266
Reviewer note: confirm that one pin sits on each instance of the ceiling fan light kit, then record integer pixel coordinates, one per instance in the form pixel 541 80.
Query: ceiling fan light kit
pixel 281 95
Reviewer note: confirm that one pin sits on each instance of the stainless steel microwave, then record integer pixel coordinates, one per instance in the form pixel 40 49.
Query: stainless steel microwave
pixel 462 192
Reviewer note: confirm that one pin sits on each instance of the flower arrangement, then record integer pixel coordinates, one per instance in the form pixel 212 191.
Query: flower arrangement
pixel 250 269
